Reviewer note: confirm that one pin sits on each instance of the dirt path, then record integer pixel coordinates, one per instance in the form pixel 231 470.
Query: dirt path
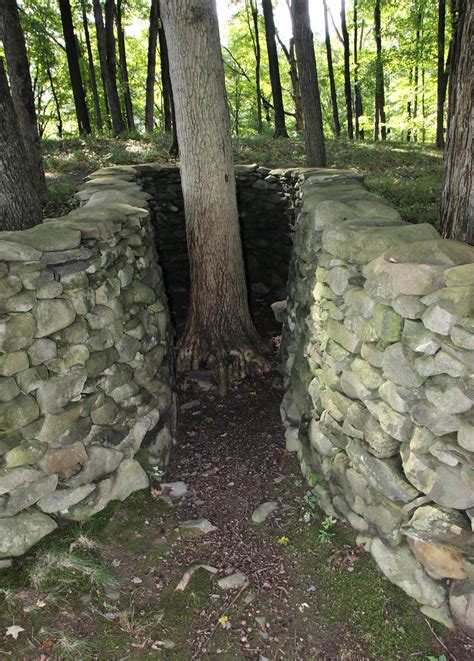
pixel 107 589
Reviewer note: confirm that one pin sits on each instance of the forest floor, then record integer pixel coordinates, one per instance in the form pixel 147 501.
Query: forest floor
pixel 408 175
pixel 107 589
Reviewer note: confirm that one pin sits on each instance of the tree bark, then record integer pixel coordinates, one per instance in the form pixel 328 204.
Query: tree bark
pixel 308 75
pixel 219 331
pixel 20 206
pixel 108 75
pixel 347 72
pixel 332 82
pixel 11 34
pixel 280 125
pixel 124 68
pixel 457 202
pixel 151 67
pixel 257 54
pixel 358 105
pixel 380 128
pixel 92 76
pixel 82 112
pixel 441 86
pixel 165 77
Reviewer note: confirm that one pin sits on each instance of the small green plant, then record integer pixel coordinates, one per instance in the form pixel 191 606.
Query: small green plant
pixel 61 570
pixel 326 532
pixel 311 500
pixel 157 473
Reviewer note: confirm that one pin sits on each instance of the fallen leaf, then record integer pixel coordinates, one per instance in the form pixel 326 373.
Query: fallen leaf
pixel 14 631
pixel 283 540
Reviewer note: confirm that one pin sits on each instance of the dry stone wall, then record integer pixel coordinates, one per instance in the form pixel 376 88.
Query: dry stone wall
pixel 265 211
pixel 86 364
pixel 379 358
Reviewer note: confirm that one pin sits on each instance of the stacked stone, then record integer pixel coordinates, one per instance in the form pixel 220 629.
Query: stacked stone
pixel 86 366
pixel 265 211
pixel 379 358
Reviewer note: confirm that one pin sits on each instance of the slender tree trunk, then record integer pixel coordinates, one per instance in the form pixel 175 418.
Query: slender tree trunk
pixel 56 101
pixel 347 71
pixel 280 126
pixel 380 128
pixel 358 106
pixel 20 206
pixel 295 83
pixel 127 97
pixel 92 76
pixel 11 34
pixel 258 57
pixel 151 67
pixel 308 75
pixel 332 82
pixel 165 78
pixel 82 113
pixel 219 331
pixel 441 82
pixel 457 202
pixel 423 106
pixel 410 79
pixel 416 76
pixel 108 73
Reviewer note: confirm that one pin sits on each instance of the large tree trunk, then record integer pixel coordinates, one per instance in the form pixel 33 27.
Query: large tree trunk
pixel 308 75
pixel 92 76
pixel 124 68
pixel 280 126
pixel 82 113
pixel 380 127
pixel 332 82
pixel 358 106
pixel 108 76
pixel 347 71
pixel 219 331
pixel 457 202
pixel 20 206
pixel 441 81
pixel 151 67
pixel 257 54
pixel 165 77
pixel 11 34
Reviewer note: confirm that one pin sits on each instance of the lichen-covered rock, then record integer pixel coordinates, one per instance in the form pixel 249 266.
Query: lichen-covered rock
pixel 52 316
pixel 461 602
pixel 401 567
pixel 19 533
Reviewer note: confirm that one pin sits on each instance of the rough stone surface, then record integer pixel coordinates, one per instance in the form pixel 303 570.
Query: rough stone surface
pixel 263 511
pixel 377 352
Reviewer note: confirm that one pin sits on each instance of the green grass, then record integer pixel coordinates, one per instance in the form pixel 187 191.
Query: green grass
pixel 408 176
pixel 357 593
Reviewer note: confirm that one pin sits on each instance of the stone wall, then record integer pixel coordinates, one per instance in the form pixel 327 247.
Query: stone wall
pixel 86 365
pixel 379 358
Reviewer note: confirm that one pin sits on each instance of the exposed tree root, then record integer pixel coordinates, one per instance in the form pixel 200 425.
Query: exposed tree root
pixel 231 359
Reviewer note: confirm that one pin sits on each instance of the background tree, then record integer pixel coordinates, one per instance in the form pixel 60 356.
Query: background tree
pixel 127 97
pixel 347 72
pixel 358 103
pixel 107 66
pixel 11 34
pixel 380 120
pixel 82 112
pixel 280 125
pixel 441 87
pixel 151 66
pixel 308 75
pixel 457 204
pixel 332 82
pixel 20 205
pixel 219 330
pixel 90 62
